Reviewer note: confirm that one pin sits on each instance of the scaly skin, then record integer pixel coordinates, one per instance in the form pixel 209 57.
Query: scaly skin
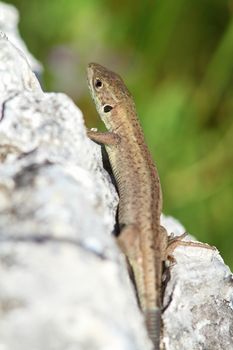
pixel 141 238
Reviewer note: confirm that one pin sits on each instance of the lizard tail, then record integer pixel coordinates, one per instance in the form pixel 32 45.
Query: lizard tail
pixel 153 321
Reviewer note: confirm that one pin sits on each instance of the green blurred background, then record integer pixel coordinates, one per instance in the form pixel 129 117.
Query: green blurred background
pixel 177 59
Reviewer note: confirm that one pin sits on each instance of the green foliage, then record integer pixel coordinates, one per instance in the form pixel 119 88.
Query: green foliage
pixel 177 59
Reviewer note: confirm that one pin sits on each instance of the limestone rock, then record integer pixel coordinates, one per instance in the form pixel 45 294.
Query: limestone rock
pixel 9 18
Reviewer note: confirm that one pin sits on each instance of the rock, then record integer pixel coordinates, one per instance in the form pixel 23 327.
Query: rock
pixel 9 18
pixel 64 283
pixel 198 299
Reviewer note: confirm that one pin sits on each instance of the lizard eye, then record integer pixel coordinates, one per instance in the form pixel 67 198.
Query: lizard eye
pixel 107 108
pixel 98 83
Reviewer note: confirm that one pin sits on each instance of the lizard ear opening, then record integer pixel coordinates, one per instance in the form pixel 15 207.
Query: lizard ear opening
pixel 107 108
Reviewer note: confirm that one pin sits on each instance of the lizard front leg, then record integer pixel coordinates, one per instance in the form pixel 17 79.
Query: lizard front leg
pixel 106 138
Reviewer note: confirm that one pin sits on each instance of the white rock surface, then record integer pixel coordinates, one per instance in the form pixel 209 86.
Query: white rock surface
pixel 9 18
pixel 64 283
pixel 198 300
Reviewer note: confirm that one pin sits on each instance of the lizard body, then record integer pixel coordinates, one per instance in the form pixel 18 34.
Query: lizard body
pixel 141 237
pixel 144 242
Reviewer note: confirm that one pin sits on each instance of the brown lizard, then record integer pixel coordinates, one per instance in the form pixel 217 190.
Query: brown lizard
pixel 141 238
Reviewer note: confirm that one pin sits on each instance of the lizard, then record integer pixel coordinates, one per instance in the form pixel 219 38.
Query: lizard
pixel 141 238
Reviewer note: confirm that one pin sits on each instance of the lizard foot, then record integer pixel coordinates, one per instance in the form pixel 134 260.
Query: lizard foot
pixel 174 242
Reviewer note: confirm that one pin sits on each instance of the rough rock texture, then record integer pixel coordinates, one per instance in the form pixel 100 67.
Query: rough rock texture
pixel 64 283
pixel 9 18
pixel 198 300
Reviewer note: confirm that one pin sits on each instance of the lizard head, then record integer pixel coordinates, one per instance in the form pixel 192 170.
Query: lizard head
pixel 109 93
